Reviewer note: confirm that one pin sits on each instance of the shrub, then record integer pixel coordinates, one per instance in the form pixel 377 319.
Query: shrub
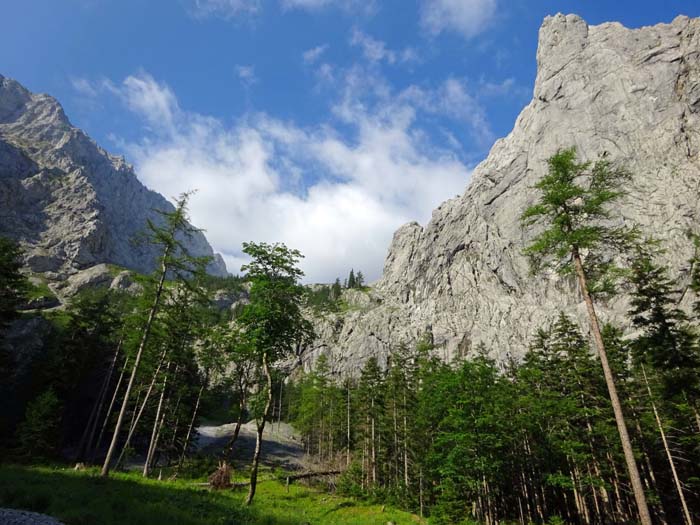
pixel 38 434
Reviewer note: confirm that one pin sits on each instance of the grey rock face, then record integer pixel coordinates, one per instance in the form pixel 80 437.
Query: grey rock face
pixel 70 203
pixel 632 95
pixel 98 276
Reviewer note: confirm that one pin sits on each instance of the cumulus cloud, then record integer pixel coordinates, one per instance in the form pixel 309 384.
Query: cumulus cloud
pixel 466 17
pixel 335 197
pixel 143 95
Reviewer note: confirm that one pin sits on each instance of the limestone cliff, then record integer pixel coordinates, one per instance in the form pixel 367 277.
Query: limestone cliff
pixel 632 95
pixel 71 204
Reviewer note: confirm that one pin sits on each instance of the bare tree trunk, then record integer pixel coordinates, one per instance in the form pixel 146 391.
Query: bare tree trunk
pixel 420 491
pixel 103 395
pixel 373 450
pixel 190 427
pixel 137 415
pixel 637 488
pixel 236 431
pixel 396 452
pixel 105 421
pixel 679 488
pixel 347 457
pixel 156 422
pixel 139 353
pixel 279 414
pixel 91 425
pixel 261 428
pixel 405 441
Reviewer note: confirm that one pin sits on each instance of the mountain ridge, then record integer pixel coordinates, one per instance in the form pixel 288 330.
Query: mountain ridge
pixel 69 202
pixel 461 280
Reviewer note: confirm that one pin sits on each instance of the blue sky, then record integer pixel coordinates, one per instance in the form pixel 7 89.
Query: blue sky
pixel 324 124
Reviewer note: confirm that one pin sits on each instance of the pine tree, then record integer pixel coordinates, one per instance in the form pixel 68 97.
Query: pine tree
pixel 573 207
pixel 336 290
pixel 667 342
pixel 351 279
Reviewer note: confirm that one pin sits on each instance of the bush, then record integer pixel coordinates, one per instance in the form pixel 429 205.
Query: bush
pixel 350 481
pixel 38 435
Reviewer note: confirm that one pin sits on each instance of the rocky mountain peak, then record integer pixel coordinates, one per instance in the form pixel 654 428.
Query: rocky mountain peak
pixel 70 203
pixel 632 95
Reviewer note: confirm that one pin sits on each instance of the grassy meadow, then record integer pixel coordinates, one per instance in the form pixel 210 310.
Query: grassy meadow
pixel 83 498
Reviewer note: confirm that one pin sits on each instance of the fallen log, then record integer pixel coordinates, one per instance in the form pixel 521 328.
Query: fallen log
pixel 307 475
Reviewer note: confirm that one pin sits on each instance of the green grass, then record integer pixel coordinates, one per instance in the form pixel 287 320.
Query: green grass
pixel 79 498
pixel 114 269
pixel 39 291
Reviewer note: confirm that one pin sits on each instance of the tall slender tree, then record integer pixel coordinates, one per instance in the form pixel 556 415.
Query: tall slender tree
pixel 174 259
pixel 574 208
pixel 272 322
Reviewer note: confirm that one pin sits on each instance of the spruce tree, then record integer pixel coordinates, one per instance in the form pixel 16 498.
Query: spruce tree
pixel 667 342
pixel 351 279
pixel 574 209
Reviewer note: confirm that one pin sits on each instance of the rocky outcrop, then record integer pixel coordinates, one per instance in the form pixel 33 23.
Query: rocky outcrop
pixel 632 95
pixel 70 203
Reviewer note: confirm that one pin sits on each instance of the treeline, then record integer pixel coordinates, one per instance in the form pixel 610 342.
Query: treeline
pixel 328 297
pixel 115 375
pixel 527 442
pixel 121 377
pixel 587 432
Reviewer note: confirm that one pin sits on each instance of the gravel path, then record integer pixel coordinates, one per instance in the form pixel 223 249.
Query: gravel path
pixel 281 445
pixel 23 517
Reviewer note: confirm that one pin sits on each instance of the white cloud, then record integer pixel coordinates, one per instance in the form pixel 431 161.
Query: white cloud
pixel 145 96
pixel 225 9
pixel 246 74
pixel 376 50
pixel 84 87
pixel 466 17
pixel 311 56
pixel 355 191
pixel 454 100
pixel 366 6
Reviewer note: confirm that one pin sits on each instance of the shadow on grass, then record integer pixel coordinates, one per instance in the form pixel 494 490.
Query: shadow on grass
pixel 339 506
pixel 80 498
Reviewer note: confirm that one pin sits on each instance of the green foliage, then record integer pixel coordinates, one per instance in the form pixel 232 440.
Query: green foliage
pixel 230 283
pixel 695 273
pixel 324 298
pixel 668 342
pixel 38 291
pixel 39 434
pixel 574 209
pixel 13 284
pixel 473 441
pixel 273 321
pixel 354 280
